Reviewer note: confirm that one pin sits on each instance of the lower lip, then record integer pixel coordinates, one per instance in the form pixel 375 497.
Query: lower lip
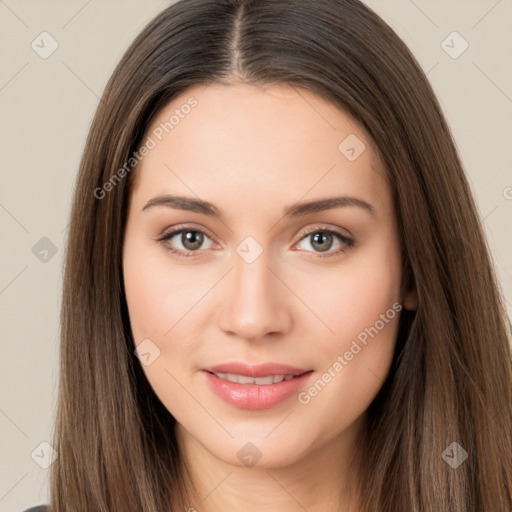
pixel 254 396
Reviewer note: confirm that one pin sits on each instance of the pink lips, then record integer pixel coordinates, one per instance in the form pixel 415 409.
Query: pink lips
pixel 255 396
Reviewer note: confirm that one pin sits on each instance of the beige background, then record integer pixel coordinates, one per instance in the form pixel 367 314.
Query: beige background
pixel 48 104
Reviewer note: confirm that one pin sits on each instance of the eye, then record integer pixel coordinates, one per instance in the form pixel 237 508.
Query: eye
pixel 323 240
pixel 185 241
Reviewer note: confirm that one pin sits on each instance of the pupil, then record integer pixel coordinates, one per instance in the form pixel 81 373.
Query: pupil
pixel 323 239
pixel 191 240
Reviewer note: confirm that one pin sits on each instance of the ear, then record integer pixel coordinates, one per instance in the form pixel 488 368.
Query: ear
pixel 410 300
pixel 409 292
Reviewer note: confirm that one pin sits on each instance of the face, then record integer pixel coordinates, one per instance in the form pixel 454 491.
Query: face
pixel 264 326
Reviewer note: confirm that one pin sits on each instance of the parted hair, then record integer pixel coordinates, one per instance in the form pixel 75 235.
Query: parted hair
pixel 451 375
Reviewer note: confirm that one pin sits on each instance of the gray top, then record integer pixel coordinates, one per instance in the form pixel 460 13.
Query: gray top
pixel 39 508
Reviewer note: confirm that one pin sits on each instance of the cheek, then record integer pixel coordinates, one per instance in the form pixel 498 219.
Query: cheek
pixel 354 299
pixel 158 298
pixel 361 302
pixel 158 293
pixel 145 295
pixel 362 307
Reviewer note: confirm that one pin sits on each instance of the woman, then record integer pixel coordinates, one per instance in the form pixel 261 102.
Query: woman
pixel 277 291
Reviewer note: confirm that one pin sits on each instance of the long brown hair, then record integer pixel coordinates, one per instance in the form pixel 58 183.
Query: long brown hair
pixel 451 377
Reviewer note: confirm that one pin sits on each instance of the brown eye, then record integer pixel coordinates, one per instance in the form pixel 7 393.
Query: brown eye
pixel 185 242
pixel 192 240
pixel 321 240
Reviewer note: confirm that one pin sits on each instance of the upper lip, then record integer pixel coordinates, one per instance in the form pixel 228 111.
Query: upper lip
pixel 255 370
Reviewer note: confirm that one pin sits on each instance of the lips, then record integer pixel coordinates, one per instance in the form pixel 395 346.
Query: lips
pixel 255 386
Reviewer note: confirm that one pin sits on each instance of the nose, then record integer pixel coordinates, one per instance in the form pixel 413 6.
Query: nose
pixel 256 303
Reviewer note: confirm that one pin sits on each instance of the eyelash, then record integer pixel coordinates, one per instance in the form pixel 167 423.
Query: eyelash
pixel 347 241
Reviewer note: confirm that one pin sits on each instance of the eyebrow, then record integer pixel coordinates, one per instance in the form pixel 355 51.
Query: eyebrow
pixel 294 210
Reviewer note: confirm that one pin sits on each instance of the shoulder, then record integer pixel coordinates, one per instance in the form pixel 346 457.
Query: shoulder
pixel 39 508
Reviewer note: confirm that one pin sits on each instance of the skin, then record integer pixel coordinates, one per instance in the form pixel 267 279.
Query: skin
pixel 252 152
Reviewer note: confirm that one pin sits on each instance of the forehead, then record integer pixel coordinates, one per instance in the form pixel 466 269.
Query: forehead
pixel 242 142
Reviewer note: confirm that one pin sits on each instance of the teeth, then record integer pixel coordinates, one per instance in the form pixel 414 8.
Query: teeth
pixel 260 381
